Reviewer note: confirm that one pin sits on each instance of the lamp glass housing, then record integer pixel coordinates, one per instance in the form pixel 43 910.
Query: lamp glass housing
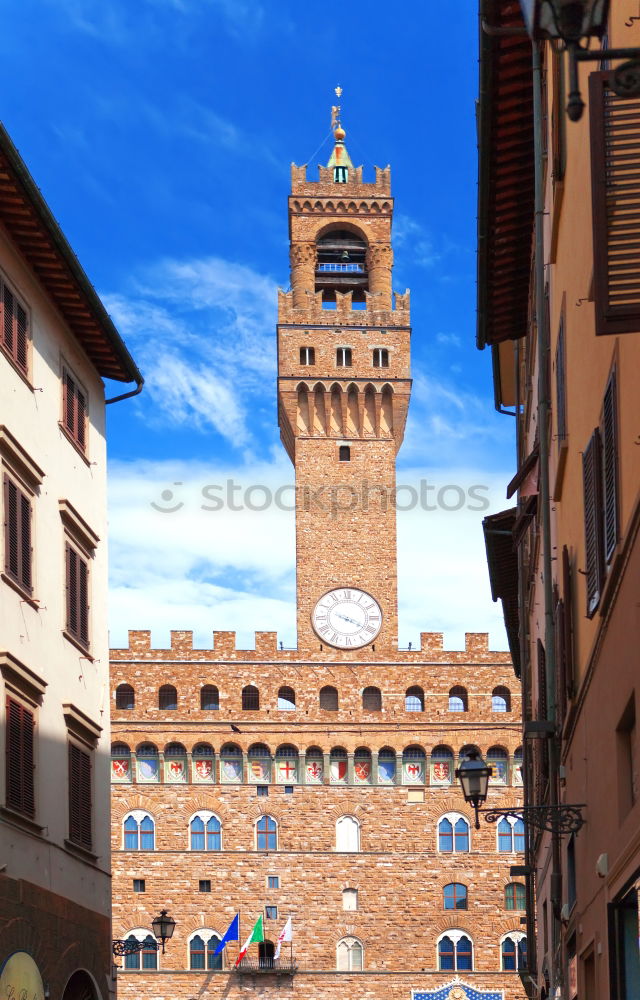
pixel 474 777
pixel 163 926
pixel 569 20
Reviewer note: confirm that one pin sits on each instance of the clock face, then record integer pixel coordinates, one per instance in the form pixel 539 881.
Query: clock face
pixel 347 618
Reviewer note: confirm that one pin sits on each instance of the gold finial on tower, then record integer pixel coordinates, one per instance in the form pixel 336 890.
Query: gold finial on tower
pixel 338 130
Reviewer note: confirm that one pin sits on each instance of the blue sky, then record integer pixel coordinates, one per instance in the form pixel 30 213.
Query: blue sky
pixel 161 134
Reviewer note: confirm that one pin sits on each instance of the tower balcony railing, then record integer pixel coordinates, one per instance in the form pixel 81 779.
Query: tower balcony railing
pixel 267 966
pixel 334 267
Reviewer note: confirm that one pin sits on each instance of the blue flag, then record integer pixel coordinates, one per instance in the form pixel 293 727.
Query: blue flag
pixel 232 933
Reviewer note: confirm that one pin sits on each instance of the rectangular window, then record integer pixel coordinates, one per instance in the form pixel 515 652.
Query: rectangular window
pixel 138 885
pixel 610 468
pixel 74 409
pixel 262 789
pixel 204 885
pixel 614 131
pixel 271 912
pixel 380 357
pixel 307 356
pixel 288 789
pixel 561 400
pixel 626 759
pixel 343 357
pixel 77 574
pixel 17 534
pixel 593 520
pixel 350 899
pixel 14 327
pixel 273 881
pixel 80 825
pixel 19 757
pixel 623 944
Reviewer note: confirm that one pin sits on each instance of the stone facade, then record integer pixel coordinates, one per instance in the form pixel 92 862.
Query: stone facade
pixel 326 773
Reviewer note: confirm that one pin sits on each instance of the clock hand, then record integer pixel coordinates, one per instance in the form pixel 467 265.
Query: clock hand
pixel 351 621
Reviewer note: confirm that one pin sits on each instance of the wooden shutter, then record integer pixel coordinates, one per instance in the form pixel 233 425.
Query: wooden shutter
pixel 593 520
pixel 77 574
pixel 14 327
pixel 542 745
pixel 17 533
pixel 615 185
pixel 559 646
pixel 21 329
pixel 610 468
pixel 80 797
pixel 567 630
pixel 561 400
pixel 19 755
pixel 7 320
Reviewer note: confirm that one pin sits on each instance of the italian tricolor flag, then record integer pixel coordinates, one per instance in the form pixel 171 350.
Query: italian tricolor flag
pixel 257 934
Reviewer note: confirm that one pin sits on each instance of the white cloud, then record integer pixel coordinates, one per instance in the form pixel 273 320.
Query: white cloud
pixel 235 570
pixel 448 339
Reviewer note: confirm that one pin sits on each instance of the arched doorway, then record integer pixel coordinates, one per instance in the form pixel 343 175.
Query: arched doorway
pixel 80 987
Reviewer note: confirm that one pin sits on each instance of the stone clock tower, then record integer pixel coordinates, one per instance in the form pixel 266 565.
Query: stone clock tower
pixel 343 393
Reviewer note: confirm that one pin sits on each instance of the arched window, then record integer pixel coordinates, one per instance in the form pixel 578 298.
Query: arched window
pixel 414 699
pixel 329 699
pixel 230 763
pixel 498 761
pixel 266 952
pixel 516 770
pixel 210 698
pixel 386 766
pixel 453 834
pixel 139 831
pixel 467 750
pixel 362 766
pixel 349 955
pixel 314 762
pixel 168 698
pixel 455 952
pixel 515 896
pixel 286 699
pixel 338 760
pixel 513 948
pixel 458 700
pixel 372 699
pixel 501 700
pixel 250 698
pixel 120 762
pixel 148 957
pixel 202 762
pixel 455 896
pixel 147 762
pixel 347 834
pixel 441 766
pixel 205 832
pixel 202 947
pixel 175 750
pixel 125 697
pixel 286 764
pixel 510 835
pixel 413 765
pixel 267 834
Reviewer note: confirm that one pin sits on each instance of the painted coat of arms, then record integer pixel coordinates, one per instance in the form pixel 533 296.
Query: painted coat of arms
pixel 259 770
pixel 203 770
pixel 499 776
pixel 287 771
pixel 338 770
pixel 148 768
pixel 362 770
pixel 120 769
pixel 386 771
pixel 175 770
pixel 231 770
pixel 414 772
pixel 441 772
pixel 315 772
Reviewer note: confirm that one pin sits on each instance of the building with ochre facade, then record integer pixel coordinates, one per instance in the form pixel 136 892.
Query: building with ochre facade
pixel 317 783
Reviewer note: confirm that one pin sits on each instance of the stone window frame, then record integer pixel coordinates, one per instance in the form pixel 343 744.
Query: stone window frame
pixel 517 937
pixel 358 831
pixel 511 820
pixel 201 932
pixel 455 934
pixel 140 934
pixel 267 832
pixel 138 815
pixel 24 687
pixel 353 941
pixel 453 817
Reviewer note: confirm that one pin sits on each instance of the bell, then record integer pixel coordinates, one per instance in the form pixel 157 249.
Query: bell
pixel 345 255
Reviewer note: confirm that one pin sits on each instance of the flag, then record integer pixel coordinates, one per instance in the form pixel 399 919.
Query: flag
pixel 286 934
pixel 232 933
pixel 257 934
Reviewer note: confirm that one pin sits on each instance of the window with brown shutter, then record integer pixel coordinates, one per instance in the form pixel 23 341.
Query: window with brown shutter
pixel 593 520
pixel 77 574
pixel 541 756
pixel 567 628
pixel 14 327
pixel 17 535
pixel 615 184
pixel 74 409
pixel 80 831
pixel 561 400
pixel 19 758
pixel 610 468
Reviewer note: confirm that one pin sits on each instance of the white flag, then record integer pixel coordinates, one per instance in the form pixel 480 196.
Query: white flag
pixel 286 934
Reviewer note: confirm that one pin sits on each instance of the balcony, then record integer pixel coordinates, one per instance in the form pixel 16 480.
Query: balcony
pixel 267 966
pixel 335 266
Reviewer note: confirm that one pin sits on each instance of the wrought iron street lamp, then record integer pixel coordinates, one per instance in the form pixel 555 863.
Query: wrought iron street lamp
pixel 571 21
pixel 163 928
pixel 474 776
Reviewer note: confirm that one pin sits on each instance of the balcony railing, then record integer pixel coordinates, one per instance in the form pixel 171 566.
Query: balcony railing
pixel 358 268
pixel 267 966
